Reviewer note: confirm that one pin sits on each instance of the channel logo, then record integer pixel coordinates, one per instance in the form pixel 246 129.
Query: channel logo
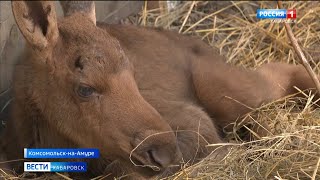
pixel 276 14
pixel 55 166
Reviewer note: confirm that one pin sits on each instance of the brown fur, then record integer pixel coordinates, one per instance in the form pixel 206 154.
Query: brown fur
pixel 147 81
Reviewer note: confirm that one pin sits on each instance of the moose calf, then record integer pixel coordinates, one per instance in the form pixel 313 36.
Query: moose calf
pixel 149 99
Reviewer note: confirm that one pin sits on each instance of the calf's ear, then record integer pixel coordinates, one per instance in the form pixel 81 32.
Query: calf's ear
pixel 37 22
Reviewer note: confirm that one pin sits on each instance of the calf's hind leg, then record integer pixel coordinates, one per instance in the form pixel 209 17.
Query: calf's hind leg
pixel 228 92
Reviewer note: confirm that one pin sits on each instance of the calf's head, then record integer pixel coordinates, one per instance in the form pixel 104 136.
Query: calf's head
pixel 83 84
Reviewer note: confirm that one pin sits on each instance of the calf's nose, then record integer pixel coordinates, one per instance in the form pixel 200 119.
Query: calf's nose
pixel 161 151
pixel 161 157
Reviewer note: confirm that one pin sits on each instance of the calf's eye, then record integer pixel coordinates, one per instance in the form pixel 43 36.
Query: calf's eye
pixel 85 91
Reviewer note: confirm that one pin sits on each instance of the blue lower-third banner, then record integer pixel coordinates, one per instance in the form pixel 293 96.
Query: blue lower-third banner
pixel 55 167
pixel 61 153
